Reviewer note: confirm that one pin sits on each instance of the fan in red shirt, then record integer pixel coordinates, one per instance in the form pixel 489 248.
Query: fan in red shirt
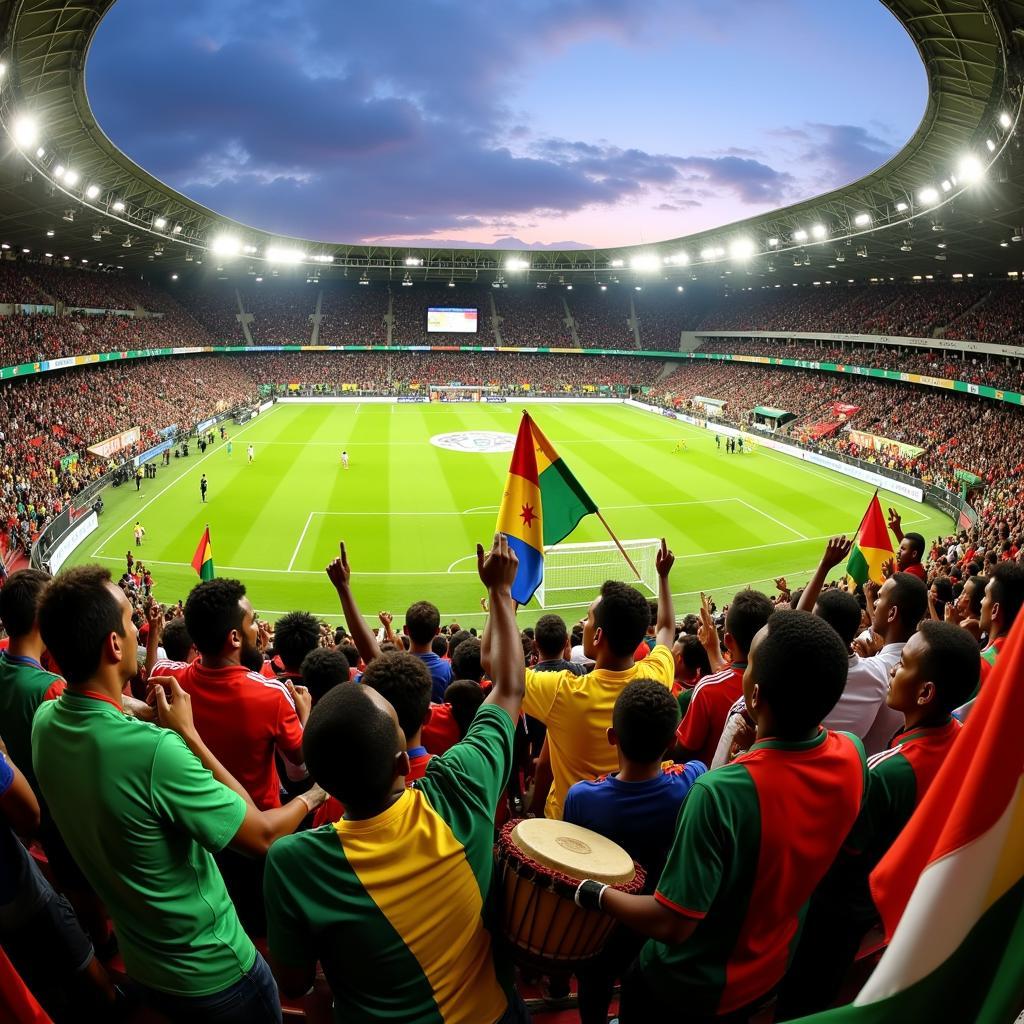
pixel 911 551
pixel 242 715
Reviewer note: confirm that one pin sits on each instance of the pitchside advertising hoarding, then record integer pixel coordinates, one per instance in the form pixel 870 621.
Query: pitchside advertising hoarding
pixel 60 552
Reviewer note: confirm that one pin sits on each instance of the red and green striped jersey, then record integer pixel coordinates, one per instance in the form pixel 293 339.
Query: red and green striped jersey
pixel 393 906
pixel 753 840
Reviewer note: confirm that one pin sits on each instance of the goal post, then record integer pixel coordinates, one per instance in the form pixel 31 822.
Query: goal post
pixel 573 573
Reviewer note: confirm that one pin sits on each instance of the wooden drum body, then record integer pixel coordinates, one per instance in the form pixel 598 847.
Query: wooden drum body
pixel 540 865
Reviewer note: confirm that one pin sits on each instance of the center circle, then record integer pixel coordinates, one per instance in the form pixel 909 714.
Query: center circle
pixel 477 441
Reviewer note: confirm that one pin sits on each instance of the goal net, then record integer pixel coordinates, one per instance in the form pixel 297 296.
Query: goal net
pixel 457 392
pixel 573 573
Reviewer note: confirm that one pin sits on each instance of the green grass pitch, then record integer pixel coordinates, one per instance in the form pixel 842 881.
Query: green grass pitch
pixel 411 513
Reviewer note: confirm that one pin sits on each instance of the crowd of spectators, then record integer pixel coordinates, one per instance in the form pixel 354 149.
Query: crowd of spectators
pixel 353 314
pixel 280 312
pixel 533 317
pixel 602 318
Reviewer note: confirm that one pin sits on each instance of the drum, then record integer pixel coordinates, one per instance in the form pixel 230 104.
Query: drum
pixel 540 865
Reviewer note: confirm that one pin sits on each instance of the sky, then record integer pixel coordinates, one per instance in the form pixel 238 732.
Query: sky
pixel 529 123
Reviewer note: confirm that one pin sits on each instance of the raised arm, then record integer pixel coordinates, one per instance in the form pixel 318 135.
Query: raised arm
pixel 895 524
pixel 156 624
pixel 835 551
pixel 505 649
pixel 707 634
pixel 666 625
pixel 339 573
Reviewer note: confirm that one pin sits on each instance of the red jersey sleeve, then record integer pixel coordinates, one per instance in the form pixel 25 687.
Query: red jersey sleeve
pixel 289 731
pixel 692 733
pixel 55 689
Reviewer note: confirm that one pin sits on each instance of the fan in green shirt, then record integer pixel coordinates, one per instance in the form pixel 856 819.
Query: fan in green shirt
pixel 143 807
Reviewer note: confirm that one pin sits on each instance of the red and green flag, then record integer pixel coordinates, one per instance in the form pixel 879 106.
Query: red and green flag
pixel 950 891
pixel 202 560
pixel 871 547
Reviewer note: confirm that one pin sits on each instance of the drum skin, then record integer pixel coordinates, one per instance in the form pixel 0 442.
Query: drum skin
pixel 540 864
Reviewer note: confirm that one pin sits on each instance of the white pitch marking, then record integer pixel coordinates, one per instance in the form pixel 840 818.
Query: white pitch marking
pixel 802 536
pixel 302 537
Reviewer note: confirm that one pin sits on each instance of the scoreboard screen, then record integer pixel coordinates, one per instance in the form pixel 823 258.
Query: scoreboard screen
pixel 448 320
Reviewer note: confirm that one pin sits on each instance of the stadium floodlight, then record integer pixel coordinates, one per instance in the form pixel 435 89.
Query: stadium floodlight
pixel 819 231
pixel 928 196
pixel 862 220
pixel 799 235
pixel 970 169
pixel 174 277
pixel 118 206
pixel 678 259
pixel 617 263
pixel 991 145
pixel 159 223
pixel 58 171
pixel 3 69
pixel 25 131
pixel 71 178
pixel 451 284
pixel 410 261
pixel 40 152
pixel 249 250
pixel 947 185
pixel 324 258
pixel 176 230
pixel 773 243
pixel 741 249
pixel 517 263
pixel 645 262
pixel 92 191
pixel 280 254
pixel 901 207
pixel 1005 120
pixel 225 245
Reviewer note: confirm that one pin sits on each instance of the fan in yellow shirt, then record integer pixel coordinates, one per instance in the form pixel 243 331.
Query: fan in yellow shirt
pixel 577 710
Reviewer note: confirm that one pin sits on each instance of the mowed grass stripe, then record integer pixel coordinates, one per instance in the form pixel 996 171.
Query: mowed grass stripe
pixel 623 457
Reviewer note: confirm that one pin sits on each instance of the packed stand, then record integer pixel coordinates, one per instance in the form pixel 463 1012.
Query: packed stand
pixel 997 320
pixel 532 317
pixel 409 308
pixel 353 314
pixel 602 318
pixel 280 312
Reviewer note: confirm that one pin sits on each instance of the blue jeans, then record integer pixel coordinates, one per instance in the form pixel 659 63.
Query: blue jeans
pixel 253 999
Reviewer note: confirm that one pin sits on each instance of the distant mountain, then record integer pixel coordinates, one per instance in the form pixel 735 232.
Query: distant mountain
pixel 508 242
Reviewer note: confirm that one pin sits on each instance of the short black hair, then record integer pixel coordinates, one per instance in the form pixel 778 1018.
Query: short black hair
pixel 295 635
pixel 917 542
pixel 76 615
pixel 943 588
pixel 422 620
pixel 550 635
pixel 841 611
pixel 466 660
pixel 691 623
pixel 694 655
pixel 952 662
pixel 1008 589
pixel 748 612
pixel 350 744
pixel 175 640
pixel 19 601
pixel 652 604
pixel 322 669
pixel 465 697
pixel 439 645
pixel 800 670
pixel 910 596
pixel 404 681
pixel 457 638
pixel 351 653
pixel 645 718
pixel 622 615
pixel 212 610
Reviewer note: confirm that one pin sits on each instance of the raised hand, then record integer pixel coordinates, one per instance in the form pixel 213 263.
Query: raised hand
pixel 302 698
pixel 664 560
pixel 497 568
pixel 155 617
pixel 836 551
pixel 386 618
pixel 895 520
pixel 174 714
pixel 889 568
pixel 781 585
pixel 338 572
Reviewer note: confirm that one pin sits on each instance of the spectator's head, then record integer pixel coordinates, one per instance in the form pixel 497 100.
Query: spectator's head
pixel 404 681
pixel 1004 595
pixel 439 645
pixel 938 670
pixel 351 653
pixel 911 551
pixel 795 673
pixel 747 614
pixel 691 623
pixel 466 660
pixel 322 669
pixel 616 622
pixel 644 721
pixel 901 604
pixel 422 623
pixel 86 624
pixel 176 642
pixel 455 639
pixel 968 604
pixel 355 749
pixel 465 697
pixel 340 636
pixel 221 623
pixel 653 621
pixel 691 659
pixel 19 601
pixel 295 635
pixel 550 637
pixel 841 611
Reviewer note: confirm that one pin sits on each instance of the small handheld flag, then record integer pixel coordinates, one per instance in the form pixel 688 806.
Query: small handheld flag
pixel 202 560
pixel 872 547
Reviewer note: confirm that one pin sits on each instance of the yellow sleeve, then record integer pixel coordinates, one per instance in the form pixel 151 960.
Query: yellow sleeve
pixel 658 665
pixel 541 692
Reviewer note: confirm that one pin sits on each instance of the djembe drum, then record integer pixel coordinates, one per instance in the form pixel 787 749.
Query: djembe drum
pixel 540 864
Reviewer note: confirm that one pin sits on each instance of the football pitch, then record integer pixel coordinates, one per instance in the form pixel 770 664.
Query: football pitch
pixel 411 511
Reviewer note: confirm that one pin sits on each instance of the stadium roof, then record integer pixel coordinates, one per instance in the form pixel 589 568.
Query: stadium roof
pixel 111 211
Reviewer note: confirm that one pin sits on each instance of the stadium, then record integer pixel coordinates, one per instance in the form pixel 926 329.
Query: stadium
pixel 768 473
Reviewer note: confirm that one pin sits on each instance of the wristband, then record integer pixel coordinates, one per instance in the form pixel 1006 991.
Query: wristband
pixel 589 893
